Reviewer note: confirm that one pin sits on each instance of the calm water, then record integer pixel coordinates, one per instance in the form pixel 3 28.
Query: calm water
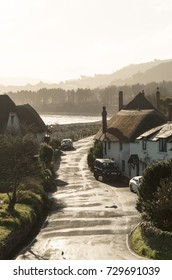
pixel 64 119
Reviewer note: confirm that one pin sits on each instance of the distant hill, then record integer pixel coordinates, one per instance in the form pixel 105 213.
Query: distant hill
pixel 119 77
pixel 158 73
pixel 154 71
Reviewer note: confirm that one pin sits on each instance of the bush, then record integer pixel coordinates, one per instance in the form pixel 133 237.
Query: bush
pixel 55 143
pixel 155 195
pixel 157 239
pixel 46 154
pixel 27 197
pixel 48 180
pixel 152 177
pixel 95 152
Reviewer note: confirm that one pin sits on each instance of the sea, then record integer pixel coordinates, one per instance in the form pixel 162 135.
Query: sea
pixel 68 119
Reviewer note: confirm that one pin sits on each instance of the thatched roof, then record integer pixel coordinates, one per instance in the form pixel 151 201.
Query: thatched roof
pixel 128 124
pixel 26 114
pixel 139 103
pixel 29 117
pixel 6 106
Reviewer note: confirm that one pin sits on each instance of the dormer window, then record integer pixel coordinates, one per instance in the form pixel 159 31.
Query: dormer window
pixel 162 145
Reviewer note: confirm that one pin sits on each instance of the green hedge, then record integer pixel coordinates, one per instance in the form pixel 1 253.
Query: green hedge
pixel 156 238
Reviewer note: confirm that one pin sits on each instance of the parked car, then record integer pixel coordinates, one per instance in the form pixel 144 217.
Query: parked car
pixel 66 144
pixel 135 183
pixel 106 169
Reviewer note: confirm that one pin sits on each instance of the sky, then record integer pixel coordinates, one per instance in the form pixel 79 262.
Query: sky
pixel 58 40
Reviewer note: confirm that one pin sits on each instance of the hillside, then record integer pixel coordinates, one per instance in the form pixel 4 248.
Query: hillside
pixel 117 78
pixel 158 73
pixel 157 70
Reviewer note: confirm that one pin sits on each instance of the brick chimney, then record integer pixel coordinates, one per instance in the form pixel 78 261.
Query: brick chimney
pixel 157 98
pixel 104 120
pixel 170 112
pixel 120 100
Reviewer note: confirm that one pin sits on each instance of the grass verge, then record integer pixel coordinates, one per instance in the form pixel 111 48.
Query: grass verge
pixel 19 224
pixel 139 246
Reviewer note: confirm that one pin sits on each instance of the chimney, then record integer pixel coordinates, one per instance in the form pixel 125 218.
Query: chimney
pixel 157 98
pixel 170 112
pixel 120 100
pixel 104 120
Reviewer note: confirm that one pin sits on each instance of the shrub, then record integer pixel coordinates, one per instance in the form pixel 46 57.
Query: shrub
pixel 17 163
pixel 46 154
pixel 27 197
pixel 55 143
pixel 48 180
pixel 157 239
pixel 152 177
pixel 95 152
pixel 160 208
pixel 155 195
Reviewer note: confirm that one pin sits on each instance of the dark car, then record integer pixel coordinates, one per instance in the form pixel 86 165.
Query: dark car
pixel 66 144
pixel 106 169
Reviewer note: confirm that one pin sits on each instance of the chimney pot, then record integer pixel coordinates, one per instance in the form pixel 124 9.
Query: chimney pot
pixel 104 120
pixel 170 112
pixel 120 100
pixel 158 98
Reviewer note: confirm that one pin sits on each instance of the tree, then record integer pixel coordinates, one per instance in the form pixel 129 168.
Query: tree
pixel 17 163
pixel 160 208
pixel 155 195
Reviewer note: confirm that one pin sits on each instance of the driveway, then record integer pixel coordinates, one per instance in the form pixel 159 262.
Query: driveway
pixel 90 220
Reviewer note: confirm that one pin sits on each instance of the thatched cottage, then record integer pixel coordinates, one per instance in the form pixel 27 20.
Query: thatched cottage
pixel 20 119
pixel 121 132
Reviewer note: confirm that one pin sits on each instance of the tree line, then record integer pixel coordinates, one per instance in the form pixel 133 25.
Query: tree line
pixel 87 100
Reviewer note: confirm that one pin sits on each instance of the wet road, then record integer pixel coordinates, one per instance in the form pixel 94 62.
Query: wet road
pixel 90 220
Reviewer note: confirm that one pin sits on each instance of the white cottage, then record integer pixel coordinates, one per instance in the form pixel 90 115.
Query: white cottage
pixel 119 134
pixel 20 119
pixel 154 145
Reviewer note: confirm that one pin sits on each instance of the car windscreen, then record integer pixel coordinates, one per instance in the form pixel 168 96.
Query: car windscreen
pixel 66 142
pixel 109 165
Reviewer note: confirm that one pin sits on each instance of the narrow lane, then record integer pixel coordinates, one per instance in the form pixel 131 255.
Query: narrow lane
pixel 90 220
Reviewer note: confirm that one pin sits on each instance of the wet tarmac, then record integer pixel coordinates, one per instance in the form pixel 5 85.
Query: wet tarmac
pixel 90 220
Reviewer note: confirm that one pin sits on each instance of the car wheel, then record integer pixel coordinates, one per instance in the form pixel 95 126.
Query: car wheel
pixel 104 178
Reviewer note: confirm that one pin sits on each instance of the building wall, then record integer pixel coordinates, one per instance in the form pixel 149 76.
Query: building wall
pixel 146 156
pixel 150 154
pixel 119 152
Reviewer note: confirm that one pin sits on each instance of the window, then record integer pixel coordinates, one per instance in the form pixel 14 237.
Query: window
pixel 123 165
pixel 109 145
pixel 12 120
pixel 144 165
pixel 162 145
pixel 105 147
pixel 144 144
pixel 120 146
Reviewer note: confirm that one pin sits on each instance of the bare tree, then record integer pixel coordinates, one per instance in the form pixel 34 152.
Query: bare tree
pixel 17 163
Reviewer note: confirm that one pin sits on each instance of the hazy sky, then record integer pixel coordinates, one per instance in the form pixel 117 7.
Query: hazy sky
pixel 54 40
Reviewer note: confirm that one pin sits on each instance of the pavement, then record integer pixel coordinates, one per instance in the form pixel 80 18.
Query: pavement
pixel 89 220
